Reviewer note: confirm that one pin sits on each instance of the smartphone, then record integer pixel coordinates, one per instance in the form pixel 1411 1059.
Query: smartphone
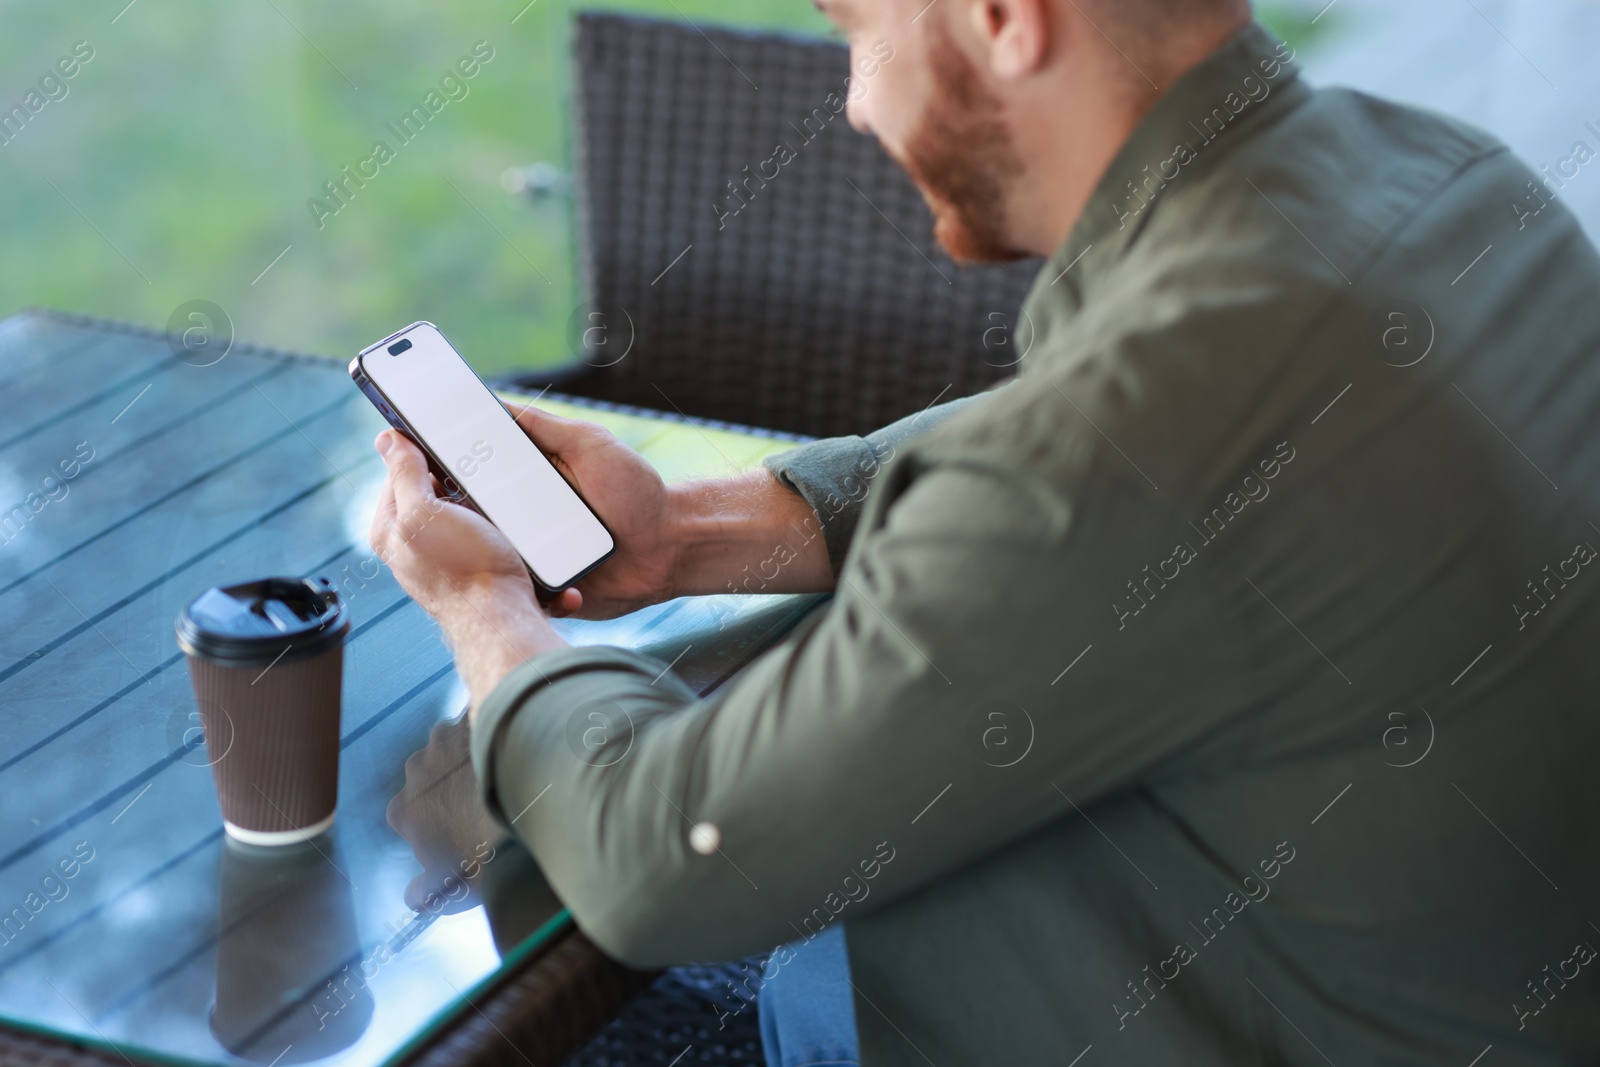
pixel 423 387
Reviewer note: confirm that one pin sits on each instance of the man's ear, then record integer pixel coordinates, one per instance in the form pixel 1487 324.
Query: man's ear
pixel 1013 34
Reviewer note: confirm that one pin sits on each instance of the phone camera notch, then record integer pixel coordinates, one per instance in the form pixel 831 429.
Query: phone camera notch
pixel 399 346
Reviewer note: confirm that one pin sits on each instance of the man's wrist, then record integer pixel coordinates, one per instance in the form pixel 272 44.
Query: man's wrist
pixel 695 530
pixel 485 600
pixel 723 533
pixel 494 625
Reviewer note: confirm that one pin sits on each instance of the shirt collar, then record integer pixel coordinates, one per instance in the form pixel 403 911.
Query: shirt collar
pixel 1186 128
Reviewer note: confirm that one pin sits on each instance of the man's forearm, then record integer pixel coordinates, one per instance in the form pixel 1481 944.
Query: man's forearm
pixel 786 527
pixel 747 534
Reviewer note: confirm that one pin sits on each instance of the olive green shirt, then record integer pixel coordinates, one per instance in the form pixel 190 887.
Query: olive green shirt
pixel 1219 690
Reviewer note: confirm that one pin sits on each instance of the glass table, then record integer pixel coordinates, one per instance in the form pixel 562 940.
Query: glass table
pixel 134 476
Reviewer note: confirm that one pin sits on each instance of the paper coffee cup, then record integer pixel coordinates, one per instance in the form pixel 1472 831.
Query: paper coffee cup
pixel 266 661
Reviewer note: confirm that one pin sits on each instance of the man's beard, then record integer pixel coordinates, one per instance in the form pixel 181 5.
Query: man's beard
pixel 961 157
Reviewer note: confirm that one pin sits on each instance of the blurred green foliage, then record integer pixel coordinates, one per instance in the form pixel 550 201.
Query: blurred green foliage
pixel 180 164
pixel 182 158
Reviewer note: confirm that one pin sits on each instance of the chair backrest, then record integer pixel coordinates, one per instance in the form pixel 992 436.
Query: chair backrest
pixel 757 259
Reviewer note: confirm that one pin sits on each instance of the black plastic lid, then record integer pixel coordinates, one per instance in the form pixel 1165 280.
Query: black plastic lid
pixel 261 621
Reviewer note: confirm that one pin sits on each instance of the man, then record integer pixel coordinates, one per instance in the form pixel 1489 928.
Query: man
pixel 1219 690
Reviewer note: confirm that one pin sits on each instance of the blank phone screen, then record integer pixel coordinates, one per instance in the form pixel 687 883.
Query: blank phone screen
pixel 476 440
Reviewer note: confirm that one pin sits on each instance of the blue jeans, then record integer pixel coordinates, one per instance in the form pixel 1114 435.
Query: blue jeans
pixel 808 1012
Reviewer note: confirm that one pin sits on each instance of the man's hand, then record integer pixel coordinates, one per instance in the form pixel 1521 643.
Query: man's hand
pixel 686 539
pixel 744 533
pixel 439 551
pixel 630 498
pixel 461 570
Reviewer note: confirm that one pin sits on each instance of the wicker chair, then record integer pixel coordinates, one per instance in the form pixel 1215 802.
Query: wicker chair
pixel 726 279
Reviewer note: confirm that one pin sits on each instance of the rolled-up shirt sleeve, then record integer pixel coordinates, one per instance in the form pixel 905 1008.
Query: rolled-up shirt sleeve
pixel 585 669
pixel 835 474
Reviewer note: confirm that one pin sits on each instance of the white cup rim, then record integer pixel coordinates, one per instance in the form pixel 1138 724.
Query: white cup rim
pixel 277 837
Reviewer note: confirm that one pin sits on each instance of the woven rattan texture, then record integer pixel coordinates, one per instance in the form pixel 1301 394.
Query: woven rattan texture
pixel 25 1050
pixel 805 295
pixel 701 1015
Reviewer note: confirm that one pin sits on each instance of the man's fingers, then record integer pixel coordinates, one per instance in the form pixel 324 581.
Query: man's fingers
pixel 409 475
pixel 383 517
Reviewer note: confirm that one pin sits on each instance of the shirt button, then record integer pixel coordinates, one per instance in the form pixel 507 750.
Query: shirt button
pixel 705 838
